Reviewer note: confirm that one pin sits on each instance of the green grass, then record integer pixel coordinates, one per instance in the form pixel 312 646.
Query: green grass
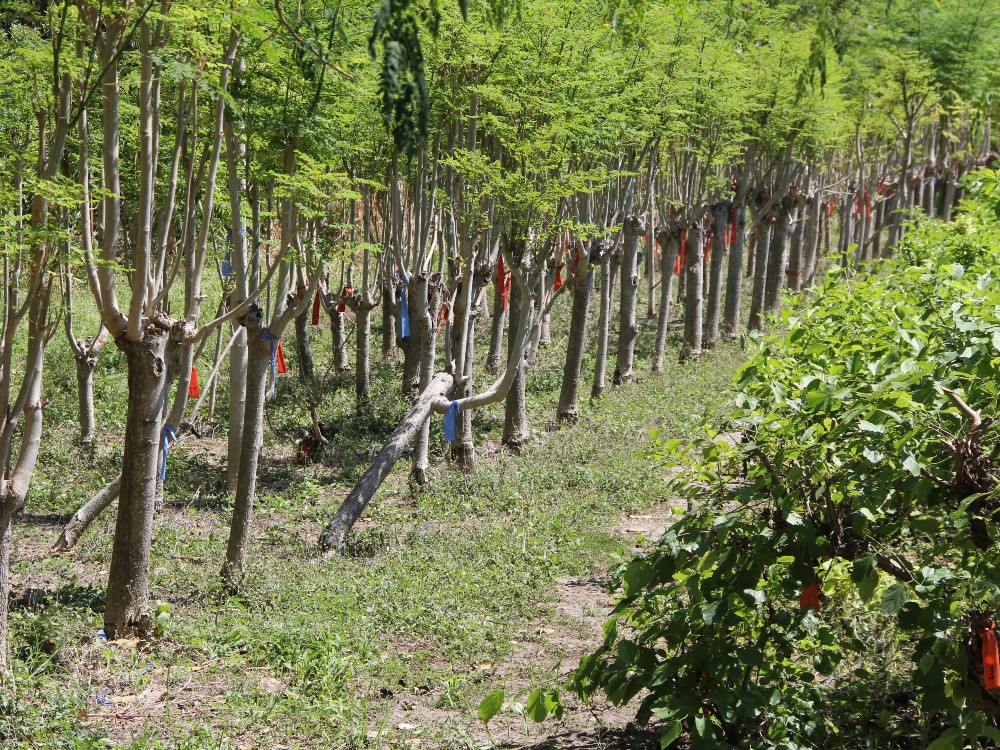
pixel 434 582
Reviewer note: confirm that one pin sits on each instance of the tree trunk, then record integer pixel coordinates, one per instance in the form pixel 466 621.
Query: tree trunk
pixel 515 424
pixel 609 270
pixel 494 359
pixel 259 361
pixel 388 323
pixel 362 355
pixel 237 405
pixel 82 519
pixel 628 327
pixel 354 505
pixel 777 256
pixel 85 392
pixel 423 329
pixel 762 242
pixel 734 278
pixel 670 245
pixel 302 348
pixel 720 227
pixel 127 605
pixel 569 393
pixel 694 270
pixel 341 360
pixel 793 277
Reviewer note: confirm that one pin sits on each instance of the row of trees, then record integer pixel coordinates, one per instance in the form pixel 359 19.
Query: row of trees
pixel 194 170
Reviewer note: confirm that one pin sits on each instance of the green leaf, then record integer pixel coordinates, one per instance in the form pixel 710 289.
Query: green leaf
pixel 670 735
pixel 894 598
pixel 535 706
pixel 490 706
pixel 950 739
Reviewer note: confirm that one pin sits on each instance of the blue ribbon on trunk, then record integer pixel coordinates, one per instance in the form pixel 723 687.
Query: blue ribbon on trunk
pixel 404 311
pixel 266 335
pixel 169 436
pixel 450 417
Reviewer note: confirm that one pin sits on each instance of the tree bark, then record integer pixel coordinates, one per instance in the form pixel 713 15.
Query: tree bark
pixel 259 360
pixel 734 278
pixel 761 245
pixel 777 256
pixel 628 326
pixel 694 270
pixel 515 423
pixel 569 393
pixel 85 393
pixel 670 246
pixel 361 494
pixel 127 610
pixel 720 227
pixel 494 358
pixel 237 406
pixel 609 270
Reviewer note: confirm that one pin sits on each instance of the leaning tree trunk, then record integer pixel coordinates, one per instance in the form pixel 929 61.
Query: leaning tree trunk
pixel 670 245
pixel 126 609
pixel 609 270
pixel 569 393
pixel 695 272
pixel 515 423
pixel 720 225
pixel 259 360
pixel 762 242
pixel 350 511
pixel 734 278
pixel 82 519
pixel 628 326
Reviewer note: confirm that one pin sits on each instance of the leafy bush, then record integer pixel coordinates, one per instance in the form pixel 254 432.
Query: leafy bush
pixel 855 459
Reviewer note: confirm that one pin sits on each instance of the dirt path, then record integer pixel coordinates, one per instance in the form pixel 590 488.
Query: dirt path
pixel 541 655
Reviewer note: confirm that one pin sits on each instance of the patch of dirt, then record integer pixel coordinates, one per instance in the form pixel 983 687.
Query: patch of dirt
pixel 543 656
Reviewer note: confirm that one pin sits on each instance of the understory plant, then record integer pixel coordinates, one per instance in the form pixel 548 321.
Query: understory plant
pixel 833 580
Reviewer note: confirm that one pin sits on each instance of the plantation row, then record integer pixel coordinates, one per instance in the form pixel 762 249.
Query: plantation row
pixel 834 577
pixel 201 184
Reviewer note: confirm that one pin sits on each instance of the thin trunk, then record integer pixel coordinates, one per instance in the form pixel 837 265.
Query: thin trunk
pixel 494 359
pixel 777 256
pixel 85 393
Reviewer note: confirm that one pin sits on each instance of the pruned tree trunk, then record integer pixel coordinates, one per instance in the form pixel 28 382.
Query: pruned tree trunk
pixel 515 422
pixel 569 393
pixel 670 246
pixel 694 270
pixel 494 359
pixel 720 227
pixel 777 255
pixel 127 609
pixel 85 393
pixel 237 406
pixel 734 278
pixel 609 270
pixel 628 326
pixel 259 360
pixel 761 245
